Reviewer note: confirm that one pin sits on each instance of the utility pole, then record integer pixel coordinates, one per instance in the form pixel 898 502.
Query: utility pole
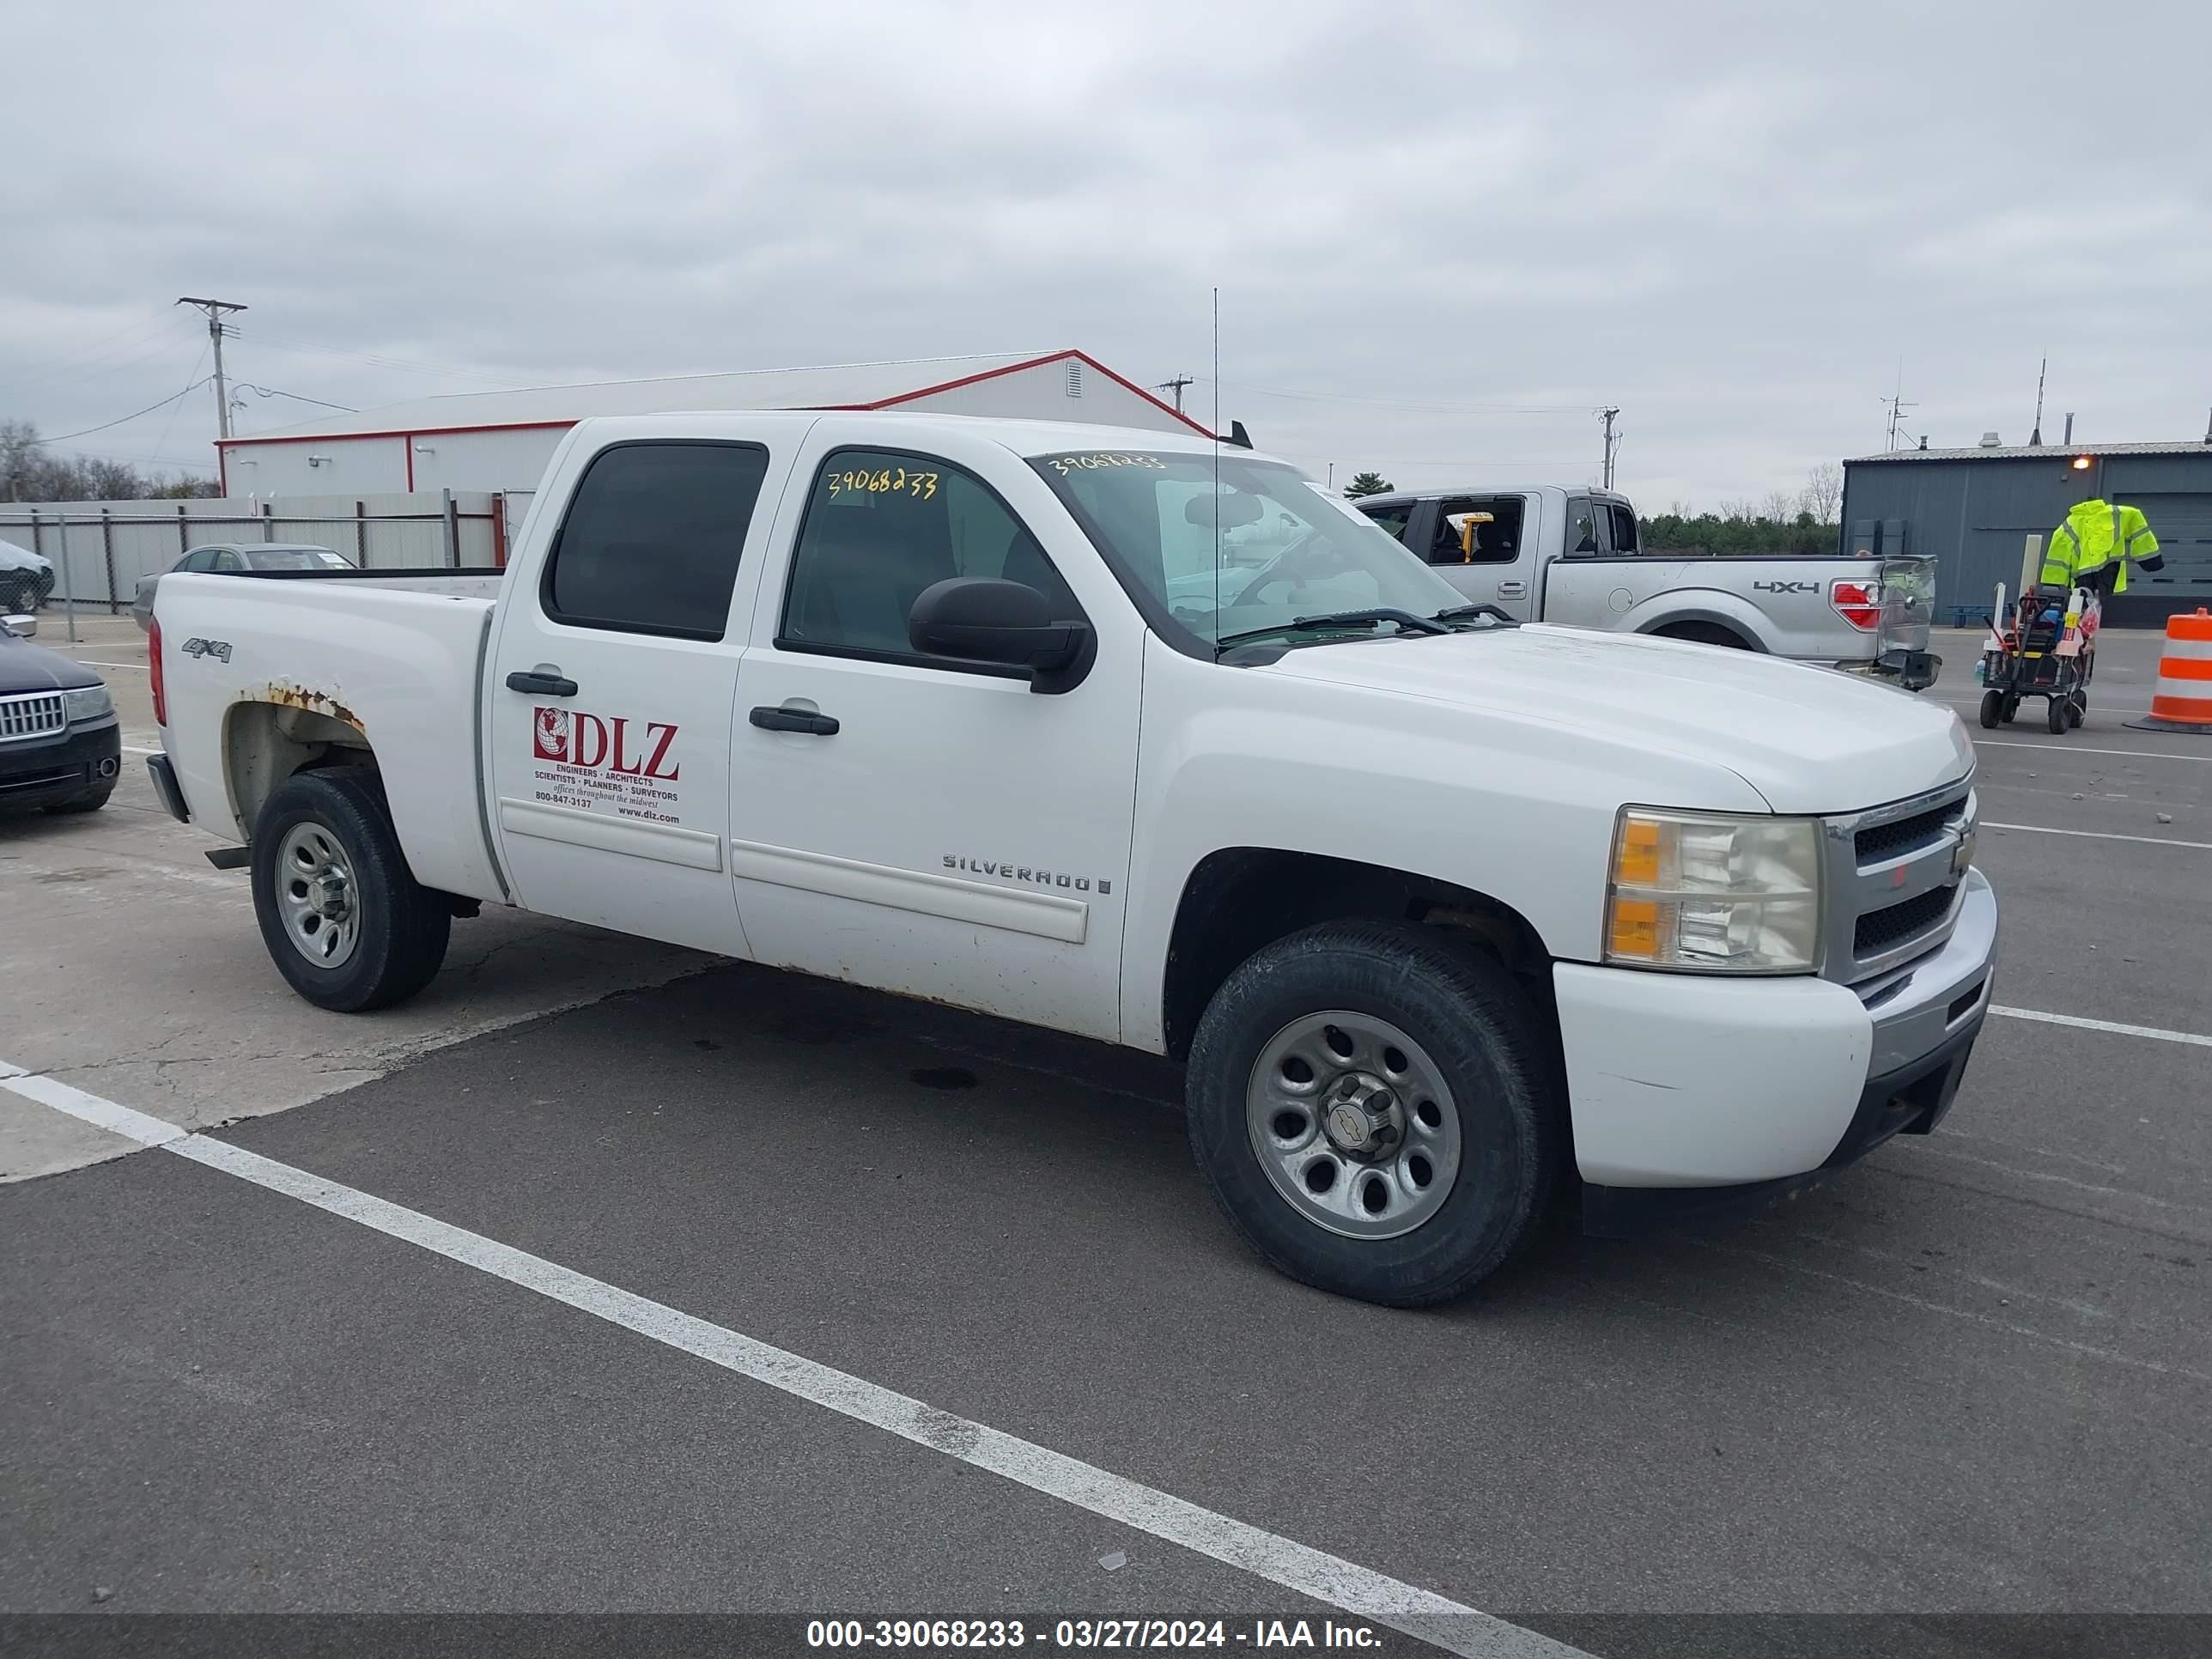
pixel 1175 386
pixel 1608 414
pixel 216 329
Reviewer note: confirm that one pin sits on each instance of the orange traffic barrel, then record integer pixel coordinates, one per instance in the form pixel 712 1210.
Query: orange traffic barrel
pixel 2182 701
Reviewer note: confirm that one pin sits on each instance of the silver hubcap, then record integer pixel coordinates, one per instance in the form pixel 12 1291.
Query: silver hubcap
pixel 1354 1124
pixel 315 891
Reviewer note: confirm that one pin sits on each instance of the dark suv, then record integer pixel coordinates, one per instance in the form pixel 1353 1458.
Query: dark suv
pixel 60 745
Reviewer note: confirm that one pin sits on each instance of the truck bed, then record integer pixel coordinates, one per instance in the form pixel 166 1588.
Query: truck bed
pixel 395 656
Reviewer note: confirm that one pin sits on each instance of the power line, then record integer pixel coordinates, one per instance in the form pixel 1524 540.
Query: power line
pixel 278 391
pixel 85 360
pixel 504 382
pixel 64 437
pixel 169 425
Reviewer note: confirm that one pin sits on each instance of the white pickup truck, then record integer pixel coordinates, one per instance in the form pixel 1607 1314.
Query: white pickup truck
pixel 1576 556
pixel 1443 911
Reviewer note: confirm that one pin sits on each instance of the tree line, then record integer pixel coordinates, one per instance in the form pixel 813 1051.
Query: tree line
pixel 31 472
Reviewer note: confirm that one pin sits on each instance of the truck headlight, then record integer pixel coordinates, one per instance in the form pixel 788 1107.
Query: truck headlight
pixel 1705 893
pixel 88 702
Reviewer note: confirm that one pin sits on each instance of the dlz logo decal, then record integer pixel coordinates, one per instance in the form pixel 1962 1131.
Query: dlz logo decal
pixel 572 737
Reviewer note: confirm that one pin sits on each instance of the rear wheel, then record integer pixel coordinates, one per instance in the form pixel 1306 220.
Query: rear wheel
pixel 19 591
pixel 1375 1110
pixel 2055 715
pixel 2010 711
pixel 344 920
pixel 1992 709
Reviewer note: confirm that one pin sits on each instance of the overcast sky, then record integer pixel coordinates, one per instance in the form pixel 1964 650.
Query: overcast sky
pixel 1444 234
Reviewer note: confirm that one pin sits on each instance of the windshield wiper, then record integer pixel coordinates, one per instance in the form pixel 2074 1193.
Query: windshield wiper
pixel 1407 621
pixel 1469 612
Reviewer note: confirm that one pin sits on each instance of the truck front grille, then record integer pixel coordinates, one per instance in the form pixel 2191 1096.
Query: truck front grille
pixel 1893 880
pixel 1886 841
pixel 39 715
pixel 1878 930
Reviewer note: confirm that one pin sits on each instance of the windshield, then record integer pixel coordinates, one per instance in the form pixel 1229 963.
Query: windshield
pixel 1266 548
pixel 295 558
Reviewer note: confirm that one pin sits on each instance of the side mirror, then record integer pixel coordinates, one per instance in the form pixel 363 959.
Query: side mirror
pixel 23 628
pixel 981 619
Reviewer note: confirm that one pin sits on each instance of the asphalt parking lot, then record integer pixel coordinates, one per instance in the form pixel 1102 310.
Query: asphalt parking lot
pixel 785 1299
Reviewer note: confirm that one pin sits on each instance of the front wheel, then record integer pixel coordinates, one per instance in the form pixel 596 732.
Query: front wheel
pixel 1375 1109
pixel 343 918
pixel 2055 713
pixel 1992 709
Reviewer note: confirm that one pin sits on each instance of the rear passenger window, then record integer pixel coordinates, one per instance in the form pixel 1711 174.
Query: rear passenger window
pixel 880 527
pixel 1391 520
pixel 1582 525
pixel 1624 528
pixel 1477 530
pixel 652 538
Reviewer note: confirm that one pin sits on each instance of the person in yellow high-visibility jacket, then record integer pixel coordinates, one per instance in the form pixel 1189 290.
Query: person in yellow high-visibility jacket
pixel 2096 544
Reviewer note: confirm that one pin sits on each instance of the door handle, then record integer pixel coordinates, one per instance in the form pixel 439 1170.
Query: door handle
pixel 543 681
pixel 1512 590
pixel 794 719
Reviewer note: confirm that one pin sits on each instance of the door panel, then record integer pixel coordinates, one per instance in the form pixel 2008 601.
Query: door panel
pixel 612 799
pixel 957 835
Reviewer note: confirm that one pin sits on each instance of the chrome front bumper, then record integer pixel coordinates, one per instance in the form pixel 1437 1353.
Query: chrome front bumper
pixel 1921 1006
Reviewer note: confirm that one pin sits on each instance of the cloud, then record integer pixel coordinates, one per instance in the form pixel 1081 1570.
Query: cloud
pixel 1735 222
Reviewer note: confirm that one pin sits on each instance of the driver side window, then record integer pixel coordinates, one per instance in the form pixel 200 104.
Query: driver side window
pixel 883 525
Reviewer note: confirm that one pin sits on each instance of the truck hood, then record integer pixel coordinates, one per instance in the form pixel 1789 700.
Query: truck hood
pixel 1808 739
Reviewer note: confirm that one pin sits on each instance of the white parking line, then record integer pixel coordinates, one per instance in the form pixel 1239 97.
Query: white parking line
pixel 1360 1591
pixel 2060 746
pixel 2099 834
pixel 2152 1031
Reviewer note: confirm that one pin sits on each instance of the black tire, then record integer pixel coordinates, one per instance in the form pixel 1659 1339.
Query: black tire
pixel 2011 710
pixel 1485 1036
pixel 2077 708
pixel 18 591
pixel 404 925
pixel 2055 715
pixel 1704 633
pixel 1992 709
pixel 90 800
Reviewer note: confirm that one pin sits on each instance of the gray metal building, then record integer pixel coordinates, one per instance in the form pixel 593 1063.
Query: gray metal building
pixel 1973 509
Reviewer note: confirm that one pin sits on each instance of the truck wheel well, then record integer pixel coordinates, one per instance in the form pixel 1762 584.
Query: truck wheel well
pixel 1705 633
pixel 1242 898
pixel 267 743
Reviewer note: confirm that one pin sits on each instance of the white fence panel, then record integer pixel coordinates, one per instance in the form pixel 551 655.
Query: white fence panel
pixel 101 549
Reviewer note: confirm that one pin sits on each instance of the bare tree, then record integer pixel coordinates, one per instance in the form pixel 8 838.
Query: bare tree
pixel 30 472
pixel 1823 495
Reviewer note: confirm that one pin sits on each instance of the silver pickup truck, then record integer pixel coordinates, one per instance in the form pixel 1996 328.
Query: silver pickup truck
pixel 1545 553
